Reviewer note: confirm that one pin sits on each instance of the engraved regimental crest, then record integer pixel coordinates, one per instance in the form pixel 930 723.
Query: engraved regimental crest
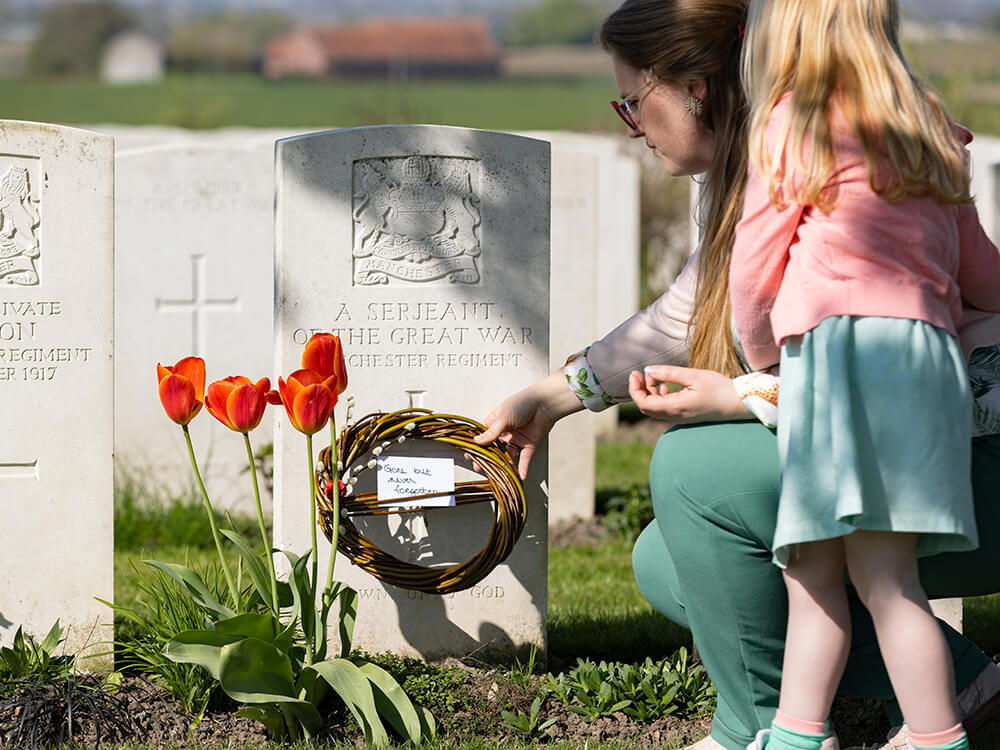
pixel 18 228
pixel 416 219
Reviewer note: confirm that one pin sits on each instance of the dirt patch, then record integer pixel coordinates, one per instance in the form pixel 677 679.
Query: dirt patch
pixel 577 532
pixel 139 712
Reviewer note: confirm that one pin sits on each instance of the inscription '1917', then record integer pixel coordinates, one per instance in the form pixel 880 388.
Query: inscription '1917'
pixel 23 358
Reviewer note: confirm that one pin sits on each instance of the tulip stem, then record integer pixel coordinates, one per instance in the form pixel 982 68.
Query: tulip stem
pixel 335 533
pixel 211 520
pixel 268 548
pixel 315 544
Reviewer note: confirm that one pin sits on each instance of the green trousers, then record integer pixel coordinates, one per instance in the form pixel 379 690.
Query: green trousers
pixel 705 563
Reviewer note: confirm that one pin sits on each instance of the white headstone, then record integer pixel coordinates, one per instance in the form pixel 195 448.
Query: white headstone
pixel 595 286
pixel 132 57
pixel 427 250
pixel 194 275
pixel 56 328
pixel 617 248
pixel 572 442
pixel 985 152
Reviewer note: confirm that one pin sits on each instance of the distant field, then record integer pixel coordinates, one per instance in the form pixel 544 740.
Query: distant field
pixel 210 101
pixel 558 88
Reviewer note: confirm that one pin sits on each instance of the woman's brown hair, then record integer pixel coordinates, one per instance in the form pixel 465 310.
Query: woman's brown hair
pixel 685 41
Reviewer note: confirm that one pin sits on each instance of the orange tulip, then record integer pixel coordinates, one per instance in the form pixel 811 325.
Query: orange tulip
pixel 237 402
pixel 182 388
pixel 308 399
pixel 325 355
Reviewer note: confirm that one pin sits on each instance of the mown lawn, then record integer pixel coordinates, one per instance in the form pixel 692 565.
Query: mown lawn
pixel 212 101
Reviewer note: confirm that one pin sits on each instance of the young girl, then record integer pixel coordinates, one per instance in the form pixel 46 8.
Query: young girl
pixel 857 249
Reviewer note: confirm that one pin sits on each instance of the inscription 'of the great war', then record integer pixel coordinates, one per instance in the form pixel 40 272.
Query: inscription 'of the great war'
pixel 19 220
pixel 416 219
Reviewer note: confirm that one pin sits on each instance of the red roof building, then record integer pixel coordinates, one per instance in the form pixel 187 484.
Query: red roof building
pixel 388 48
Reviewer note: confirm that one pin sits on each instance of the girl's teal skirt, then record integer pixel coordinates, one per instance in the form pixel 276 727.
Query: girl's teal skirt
pixel 874 432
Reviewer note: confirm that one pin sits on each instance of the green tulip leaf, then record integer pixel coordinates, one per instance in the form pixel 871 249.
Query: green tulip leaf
pixel 393 703
pixel 201 647
pixel 270 717
pixel 254 671
pixel 584 391
pixel 195 587
pixel 305 598
pixel 52 639
pixel 255 566
pixel 428 726
pixel 581 376
pixel 262 627
pixel 348 613
pixel 353 687
pixel 305 714
pixel 284 594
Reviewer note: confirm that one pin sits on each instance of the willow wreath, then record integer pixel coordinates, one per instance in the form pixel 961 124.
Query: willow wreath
pixel 378 432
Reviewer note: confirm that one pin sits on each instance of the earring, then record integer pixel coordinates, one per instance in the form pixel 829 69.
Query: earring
pixel 694 105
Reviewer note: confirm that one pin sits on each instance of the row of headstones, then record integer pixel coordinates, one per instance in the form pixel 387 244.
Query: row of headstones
pixel 465 321
pixel 426 248
pixel 190 209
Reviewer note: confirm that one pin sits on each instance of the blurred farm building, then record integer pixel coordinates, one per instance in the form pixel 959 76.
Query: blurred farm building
pixel 401 48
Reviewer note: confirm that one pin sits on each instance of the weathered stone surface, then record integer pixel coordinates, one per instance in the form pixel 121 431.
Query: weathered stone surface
pixel 427 250
pixel 193 276
pixel 56 335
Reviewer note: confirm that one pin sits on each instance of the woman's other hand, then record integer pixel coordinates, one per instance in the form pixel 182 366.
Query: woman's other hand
pixel 525 419
pixel 692 395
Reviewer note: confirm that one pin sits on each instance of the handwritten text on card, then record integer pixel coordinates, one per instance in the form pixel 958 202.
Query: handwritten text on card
pixel 405 476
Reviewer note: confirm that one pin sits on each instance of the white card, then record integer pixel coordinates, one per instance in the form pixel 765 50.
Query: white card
pixel 404 476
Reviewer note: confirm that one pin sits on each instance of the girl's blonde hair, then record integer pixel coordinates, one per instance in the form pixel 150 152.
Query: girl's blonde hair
pixel 683 41
pixel 847 52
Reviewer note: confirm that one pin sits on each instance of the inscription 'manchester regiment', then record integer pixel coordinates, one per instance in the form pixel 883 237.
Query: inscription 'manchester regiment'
pixel 19 222
pixel 416 219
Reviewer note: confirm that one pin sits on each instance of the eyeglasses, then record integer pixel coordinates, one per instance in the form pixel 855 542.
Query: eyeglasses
pixel 628 107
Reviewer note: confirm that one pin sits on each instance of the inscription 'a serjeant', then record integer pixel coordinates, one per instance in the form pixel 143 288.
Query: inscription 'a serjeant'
pixel 416 219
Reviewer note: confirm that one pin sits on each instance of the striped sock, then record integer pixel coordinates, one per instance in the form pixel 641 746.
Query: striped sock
pixel 784 737
pixel 953 738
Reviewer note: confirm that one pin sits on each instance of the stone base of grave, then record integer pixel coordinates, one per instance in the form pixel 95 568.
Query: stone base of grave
pixel 949 610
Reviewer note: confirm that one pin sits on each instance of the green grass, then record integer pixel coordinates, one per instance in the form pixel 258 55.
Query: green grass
pixel 618 466
pixel 210 101
pixel 597 611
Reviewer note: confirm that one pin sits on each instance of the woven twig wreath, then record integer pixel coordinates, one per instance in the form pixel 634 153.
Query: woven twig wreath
pixel 377 432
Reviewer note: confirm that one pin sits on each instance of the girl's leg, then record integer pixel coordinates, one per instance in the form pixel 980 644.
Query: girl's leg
pixel 706 564
pixel 819 632
pixel 883 568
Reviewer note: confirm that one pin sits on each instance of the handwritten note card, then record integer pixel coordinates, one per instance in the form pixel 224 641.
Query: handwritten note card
pixel 405 476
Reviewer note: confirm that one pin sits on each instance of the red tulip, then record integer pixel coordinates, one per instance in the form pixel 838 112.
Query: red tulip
pixel 182 388
pixel 237 402
pixel 325 355
pixel 308 399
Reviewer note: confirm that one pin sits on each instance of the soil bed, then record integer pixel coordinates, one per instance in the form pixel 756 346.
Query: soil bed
pixel 137 712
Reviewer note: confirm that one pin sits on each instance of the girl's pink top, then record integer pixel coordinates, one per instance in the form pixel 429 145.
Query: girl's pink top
pixel 791 268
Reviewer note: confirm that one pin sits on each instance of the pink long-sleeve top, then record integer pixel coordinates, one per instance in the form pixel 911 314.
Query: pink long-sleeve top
pixel 793 267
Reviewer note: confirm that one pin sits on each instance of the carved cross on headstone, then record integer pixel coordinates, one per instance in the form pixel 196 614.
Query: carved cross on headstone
pixel 19 470
pixel 199 304
pixel 416 398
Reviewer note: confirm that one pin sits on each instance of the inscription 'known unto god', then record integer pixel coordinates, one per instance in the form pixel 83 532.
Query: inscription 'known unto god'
pixel 416 219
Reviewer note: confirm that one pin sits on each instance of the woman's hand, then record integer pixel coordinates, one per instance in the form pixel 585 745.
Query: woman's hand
pixel 703 396
pixel 526 418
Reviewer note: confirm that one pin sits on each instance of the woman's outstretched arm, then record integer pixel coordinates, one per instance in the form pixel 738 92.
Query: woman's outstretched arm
pixel 525 419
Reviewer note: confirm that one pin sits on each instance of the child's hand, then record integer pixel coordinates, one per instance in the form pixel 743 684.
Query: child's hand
pixel 683 395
